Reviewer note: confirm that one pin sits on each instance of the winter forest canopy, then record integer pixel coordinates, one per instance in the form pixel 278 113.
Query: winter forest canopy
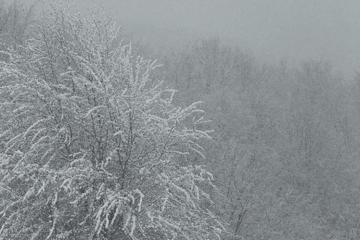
pixel 98 141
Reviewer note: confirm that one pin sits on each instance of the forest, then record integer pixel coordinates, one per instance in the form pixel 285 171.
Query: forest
pixel 98 140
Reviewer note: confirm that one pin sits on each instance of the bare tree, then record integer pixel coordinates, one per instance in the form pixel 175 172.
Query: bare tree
pixel 15 21
pixel 93 147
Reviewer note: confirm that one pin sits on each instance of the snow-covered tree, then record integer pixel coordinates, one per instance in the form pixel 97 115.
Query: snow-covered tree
pixel 91 147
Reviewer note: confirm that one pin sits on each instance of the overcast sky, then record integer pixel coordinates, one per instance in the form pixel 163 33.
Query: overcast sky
pixel 272 29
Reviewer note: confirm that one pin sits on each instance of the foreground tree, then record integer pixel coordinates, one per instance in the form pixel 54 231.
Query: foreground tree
pixel 91 147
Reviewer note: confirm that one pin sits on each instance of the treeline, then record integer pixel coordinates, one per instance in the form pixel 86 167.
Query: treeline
pixel 286 144
pixel 284 153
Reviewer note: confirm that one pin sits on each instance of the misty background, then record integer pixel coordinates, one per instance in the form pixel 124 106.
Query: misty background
pixel 277 82
pixel 273 30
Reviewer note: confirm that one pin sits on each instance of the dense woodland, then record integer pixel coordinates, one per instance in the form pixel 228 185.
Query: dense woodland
pixel 96 144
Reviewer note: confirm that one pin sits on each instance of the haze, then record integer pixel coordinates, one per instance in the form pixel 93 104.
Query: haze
pixel 273 30
pixel 97 142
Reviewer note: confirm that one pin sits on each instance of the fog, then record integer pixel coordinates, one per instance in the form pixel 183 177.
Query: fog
pixel 244 132
pixel 273 30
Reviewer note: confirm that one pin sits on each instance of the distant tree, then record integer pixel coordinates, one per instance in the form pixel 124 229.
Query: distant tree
pixel 285 147
pixel 15 21
pixel 90 146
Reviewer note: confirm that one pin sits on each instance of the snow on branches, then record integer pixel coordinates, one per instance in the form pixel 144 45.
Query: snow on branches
pixel 91 146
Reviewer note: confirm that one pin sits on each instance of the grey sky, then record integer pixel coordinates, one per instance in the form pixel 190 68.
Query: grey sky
pixel 272 29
